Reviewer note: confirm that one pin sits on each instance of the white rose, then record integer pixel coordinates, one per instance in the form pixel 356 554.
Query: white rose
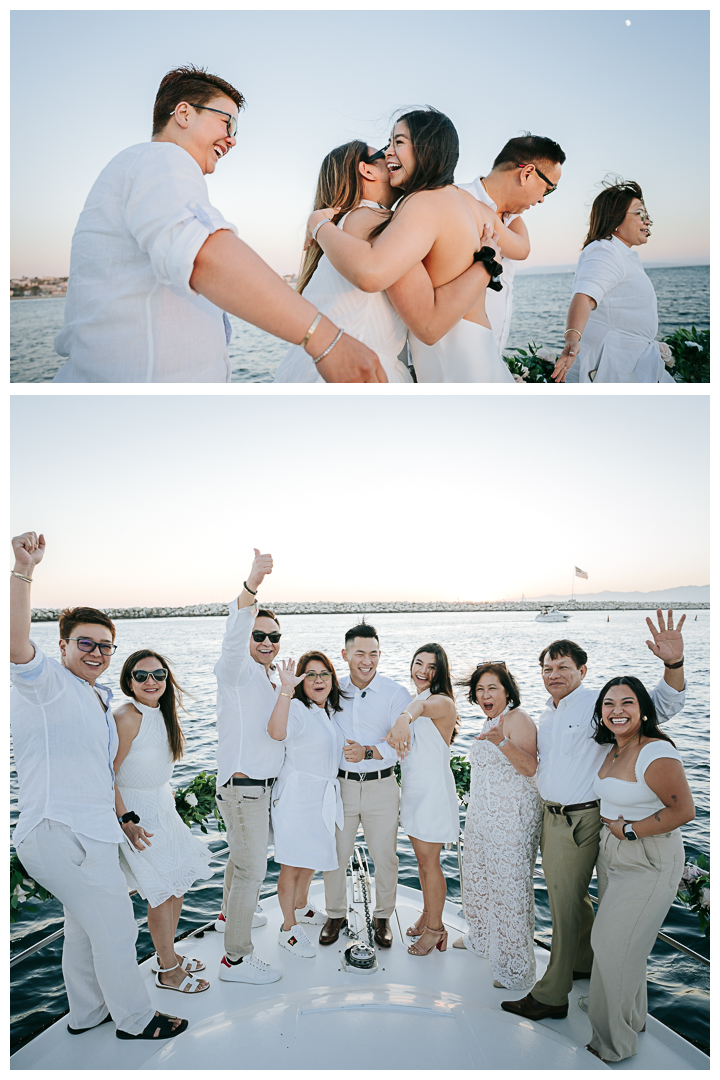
pixel 666 354
pixel 705 900
pixel 525 371
pixel 695 345
pixel 518 378
pixel 191 799
pixel 20 893
pixel 547 354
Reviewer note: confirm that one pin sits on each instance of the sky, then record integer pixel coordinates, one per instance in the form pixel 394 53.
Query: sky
pixel 623 92
pixel 159 500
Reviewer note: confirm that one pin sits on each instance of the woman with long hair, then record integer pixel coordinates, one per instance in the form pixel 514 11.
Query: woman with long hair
pixel 161 858
pixel 429 810
pixel 441 226
pixel 502 831
pixel 306 801
pixel 614 307
pixel 644 799
pixel 355 180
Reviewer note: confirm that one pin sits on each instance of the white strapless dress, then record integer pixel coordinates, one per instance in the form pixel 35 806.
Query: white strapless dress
pixel 369 317
pixel 429 807
pixel 466 354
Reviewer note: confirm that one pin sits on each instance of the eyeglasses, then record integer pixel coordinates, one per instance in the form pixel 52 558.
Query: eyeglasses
pixel 324 675
pixel 231 120
pixel 642 214
pixel 260 635
pixel 497 663
pixel 377 155
pixel 551 187
pixel 88 645
pixel 140 676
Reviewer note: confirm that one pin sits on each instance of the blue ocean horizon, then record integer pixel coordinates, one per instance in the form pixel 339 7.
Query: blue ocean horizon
pixel 540 304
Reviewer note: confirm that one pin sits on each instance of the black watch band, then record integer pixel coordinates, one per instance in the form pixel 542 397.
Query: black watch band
pixel 129 816
pixel 673 667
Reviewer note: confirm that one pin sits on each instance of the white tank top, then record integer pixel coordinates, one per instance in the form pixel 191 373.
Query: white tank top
pixel 633 800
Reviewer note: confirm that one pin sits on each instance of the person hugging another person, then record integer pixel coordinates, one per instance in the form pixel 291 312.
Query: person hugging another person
pixel 306 805
pixel 502 831
pixel 150 741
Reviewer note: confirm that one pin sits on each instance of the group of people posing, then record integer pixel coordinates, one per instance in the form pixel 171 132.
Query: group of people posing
pixel 407 275
pixel 596 783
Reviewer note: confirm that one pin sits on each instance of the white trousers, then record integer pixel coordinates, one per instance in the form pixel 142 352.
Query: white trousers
pixel 99 962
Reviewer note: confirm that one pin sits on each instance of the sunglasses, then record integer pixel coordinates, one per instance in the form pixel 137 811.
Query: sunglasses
pixel 497 663
pixel 260 635
pixel 142 676
pixel 551 187
pixel 377 155
pixel 88 645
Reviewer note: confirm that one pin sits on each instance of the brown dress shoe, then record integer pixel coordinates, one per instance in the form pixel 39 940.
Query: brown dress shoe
pixel 534 1010
pixel 383 933
pixel 331 931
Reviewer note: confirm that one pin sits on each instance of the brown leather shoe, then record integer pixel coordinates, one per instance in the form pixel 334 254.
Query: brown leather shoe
pixel 331 931
pixel 383 933
pixel 534 1010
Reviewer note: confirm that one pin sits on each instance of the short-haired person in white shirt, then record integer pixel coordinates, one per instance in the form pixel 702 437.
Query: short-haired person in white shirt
pixel 64 742
pixel 568 763
pixel 154 266
pixel 524 173
pixel 369 789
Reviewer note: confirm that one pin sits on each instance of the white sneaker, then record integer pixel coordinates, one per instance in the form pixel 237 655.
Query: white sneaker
pixel 258 919
pixel 296 941
pixel 248 970
pixel 312 915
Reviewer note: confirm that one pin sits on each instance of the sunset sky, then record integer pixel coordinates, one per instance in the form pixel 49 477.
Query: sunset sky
pixel 623 92
pixel 159 499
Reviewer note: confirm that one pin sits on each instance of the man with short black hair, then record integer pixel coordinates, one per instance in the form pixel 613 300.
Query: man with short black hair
pixel 526 170
pixel 154 266
pixel 568 762
pixel 369 789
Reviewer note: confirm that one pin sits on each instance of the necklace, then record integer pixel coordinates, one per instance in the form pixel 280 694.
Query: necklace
pixel 624 748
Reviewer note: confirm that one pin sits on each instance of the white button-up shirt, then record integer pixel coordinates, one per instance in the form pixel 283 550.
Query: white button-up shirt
pixel 130 314
pixel 568 757
pixel 368 715
pixel 64 745
pixel 246 698
pixel 498 305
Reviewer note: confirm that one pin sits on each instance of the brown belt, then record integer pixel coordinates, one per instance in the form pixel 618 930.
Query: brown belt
pixel 565 811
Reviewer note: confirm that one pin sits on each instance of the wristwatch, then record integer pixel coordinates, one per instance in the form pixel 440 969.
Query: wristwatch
pixel 369 753
pixel 130 816
pixel 628 831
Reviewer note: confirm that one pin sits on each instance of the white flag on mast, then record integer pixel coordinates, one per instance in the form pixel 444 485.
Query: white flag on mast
pixel 580 573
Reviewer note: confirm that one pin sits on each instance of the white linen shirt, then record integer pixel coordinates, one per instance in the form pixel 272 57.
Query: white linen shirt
pixel 368 715
pixel 619 338
pixel 568 756
pixel 64 746
pixel 130 314
pixel 498 305
pixel 246 698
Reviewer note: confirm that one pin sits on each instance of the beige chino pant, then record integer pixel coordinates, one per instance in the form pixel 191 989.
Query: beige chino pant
pixel 637 883
pixel 374 804
pixel 246 813
pixel 568 857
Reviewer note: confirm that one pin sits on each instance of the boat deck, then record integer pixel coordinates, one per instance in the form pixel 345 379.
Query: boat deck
pixel 434 1012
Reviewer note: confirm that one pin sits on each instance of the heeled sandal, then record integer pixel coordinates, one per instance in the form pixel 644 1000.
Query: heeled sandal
pixel 184 961
pixel 416 931
pixel 440 942
pixel 189 985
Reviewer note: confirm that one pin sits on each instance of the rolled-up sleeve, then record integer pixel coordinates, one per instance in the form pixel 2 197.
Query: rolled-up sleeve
pixel 600 268
pixel 168 212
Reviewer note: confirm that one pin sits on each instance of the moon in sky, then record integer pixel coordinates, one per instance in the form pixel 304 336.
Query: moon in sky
pixel 627 22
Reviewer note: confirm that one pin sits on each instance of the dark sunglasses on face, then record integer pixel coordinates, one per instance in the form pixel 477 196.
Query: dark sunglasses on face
pixel 377 155
pixel 160 675
pixel 497 663
pixel 88 645
pixel 260 635
pixel 551 187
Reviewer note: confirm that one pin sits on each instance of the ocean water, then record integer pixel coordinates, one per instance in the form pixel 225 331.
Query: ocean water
pixel 678 986
pixel 540 306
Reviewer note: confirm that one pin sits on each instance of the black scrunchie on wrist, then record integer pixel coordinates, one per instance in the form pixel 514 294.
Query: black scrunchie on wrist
pixel 486 255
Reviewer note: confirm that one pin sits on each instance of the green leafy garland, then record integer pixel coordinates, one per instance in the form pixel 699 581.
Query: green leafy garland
pixel 694 891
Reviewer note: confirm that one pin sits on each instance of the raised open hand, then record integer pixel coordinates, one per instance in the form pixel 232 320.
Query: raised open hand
pixel 494 735
pixel 29 549
pixel 667 643
pixel 261 567
pixel 288 678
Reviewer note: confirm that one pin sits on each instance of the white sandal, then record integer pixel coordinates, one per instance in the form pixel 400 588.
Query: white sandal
pixel 184 961
pixel 189 985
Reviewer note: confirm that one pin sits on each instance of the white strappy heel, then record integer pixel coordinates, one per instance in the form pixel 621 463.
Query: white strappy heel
pixel 189 985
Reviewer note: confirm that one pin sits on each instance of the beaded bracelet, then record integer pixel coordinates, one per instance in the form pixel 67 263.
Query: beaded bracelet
pixel 329 348
pixel 320 225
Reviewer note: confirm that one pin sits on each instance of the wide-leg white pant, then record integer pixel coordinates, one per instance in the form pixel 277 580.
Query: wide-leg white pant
pixel 99 961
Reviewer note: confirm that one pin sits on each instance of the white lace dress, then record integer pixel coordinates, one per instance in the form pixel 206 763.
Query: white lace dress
pixel 176 859
pixel 369 317
pixel 502 833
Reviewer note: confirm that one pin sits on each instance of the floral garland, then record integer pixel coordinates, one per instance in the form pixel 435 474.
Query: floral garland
pixel 694 890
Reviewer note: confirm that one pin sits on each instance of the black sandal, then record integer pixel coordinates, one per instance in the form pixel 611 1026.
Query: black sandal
pixel 81 1031
pixel 163 1021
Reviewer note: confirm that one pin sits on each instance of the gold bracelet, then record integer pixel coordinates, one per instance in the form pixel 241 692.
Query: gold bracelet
pixel 312 329
pixel 21 576
pixel 406 713
pixel 285 695
pixel 571 330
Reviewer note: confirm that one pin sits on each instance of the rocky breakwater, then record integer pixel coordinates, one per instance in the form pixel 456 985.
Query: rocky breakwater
pixel 350 607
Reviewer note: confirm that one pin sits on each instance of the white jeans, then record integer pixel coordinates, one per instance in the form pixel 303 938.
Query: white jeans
pixel 99 961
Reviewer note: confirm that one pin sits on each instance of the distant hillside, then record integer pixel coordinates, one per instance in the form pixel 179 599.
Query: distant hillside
pixel 682 594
